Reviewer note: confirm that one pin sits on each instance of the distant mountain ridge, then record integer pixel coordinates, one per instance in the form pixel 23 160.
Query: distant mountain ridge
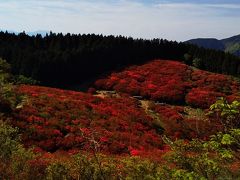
pixel 231 45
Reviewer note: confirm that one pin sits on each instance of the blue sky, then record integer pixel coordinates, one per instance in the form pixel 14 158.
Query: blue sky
pixel 171 19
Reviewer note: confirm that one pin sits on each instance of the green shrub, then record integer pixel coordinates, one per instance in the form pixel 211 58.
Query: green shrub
pixel 212 159
pixel 206 159
pixel 58 170
pixel 227 114
pixel 20 79
pixel 198 63
pixel 9 99
pixel 96 166
pixel 9 141
pixel 139 168
pixel 13 156
pixel 5 69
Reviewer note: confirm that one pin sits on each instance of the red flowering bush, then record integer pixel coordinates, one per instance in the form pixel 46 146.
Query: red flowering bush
pixel 181 122
pixel 159 80
pixel 199 97
pixel 171 119
pixel 56 120
pixel 171 82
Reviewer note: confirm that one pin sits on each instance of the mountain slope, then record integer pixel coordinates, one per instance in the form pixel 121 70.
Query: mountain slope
pixel 116 134
pixel 231 45
pixel 60 120
pixel 171 82
pixel 209 43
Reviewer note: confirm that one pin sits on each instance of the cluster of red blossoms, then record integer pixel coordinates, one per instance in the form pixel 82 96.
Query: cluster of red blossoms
pixel 172 82
pixel 59 120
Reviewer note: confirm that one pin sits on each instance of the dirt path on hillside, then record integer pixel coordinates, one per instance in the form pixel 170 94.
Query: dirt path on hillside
pixel 146 105
pixel 107 94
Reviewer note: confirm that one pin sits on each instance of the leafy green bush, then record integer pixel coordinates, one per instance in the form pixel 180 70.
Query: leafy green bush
pixel 20 79
pixel 85 166
pixel 9 99
pixel 138 168
pixel 13 156
pixel 198 63
pixel 227 114
pixel 9 140
pixel 5 69
pixel 205 159
pixel 57 171
pixel 212 159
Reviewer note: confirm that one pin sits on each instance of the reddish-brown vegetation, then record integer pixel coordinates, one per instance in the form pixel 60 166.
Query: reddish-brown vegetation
pixel 172 82
pixel 66 120
pixel 59 120
pixel 185 122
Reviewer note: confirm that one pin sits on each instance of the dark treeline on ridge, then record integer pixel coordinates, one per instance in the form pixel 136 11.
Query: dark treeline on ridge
pixel 59 60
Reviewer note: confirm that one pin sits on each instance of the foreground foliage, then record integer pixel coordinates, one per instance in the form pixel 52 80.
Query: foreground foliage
pixel 217 158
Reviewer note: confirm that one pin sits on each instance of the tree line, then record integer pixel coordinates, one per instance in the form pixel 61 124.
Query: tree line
pixel 60 60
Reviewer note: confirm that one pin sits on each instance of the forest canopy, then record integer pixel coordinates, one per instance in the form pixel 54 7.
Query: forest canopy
pixel 58 60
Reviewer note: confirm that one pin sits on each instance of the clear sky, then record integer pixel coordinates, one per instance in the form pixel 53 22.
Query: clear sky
pixel 170 19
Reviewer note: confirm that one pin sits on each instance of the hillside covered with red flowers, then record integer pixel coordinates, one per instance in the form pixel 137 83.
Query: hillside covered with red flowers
pixel 127 125
pixel 172 82
pixel 61 120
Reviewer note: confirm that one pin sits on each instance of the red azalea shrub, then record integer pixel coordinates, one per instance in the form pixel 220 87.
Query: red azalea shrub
pixel 177 123
pixel 209 86
pixel 199 97
pixel 56 120
pixel 171 82
pixel 212 81
pixel 159 80
pixel 201 128
pixel 92 90
pixel 171 119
